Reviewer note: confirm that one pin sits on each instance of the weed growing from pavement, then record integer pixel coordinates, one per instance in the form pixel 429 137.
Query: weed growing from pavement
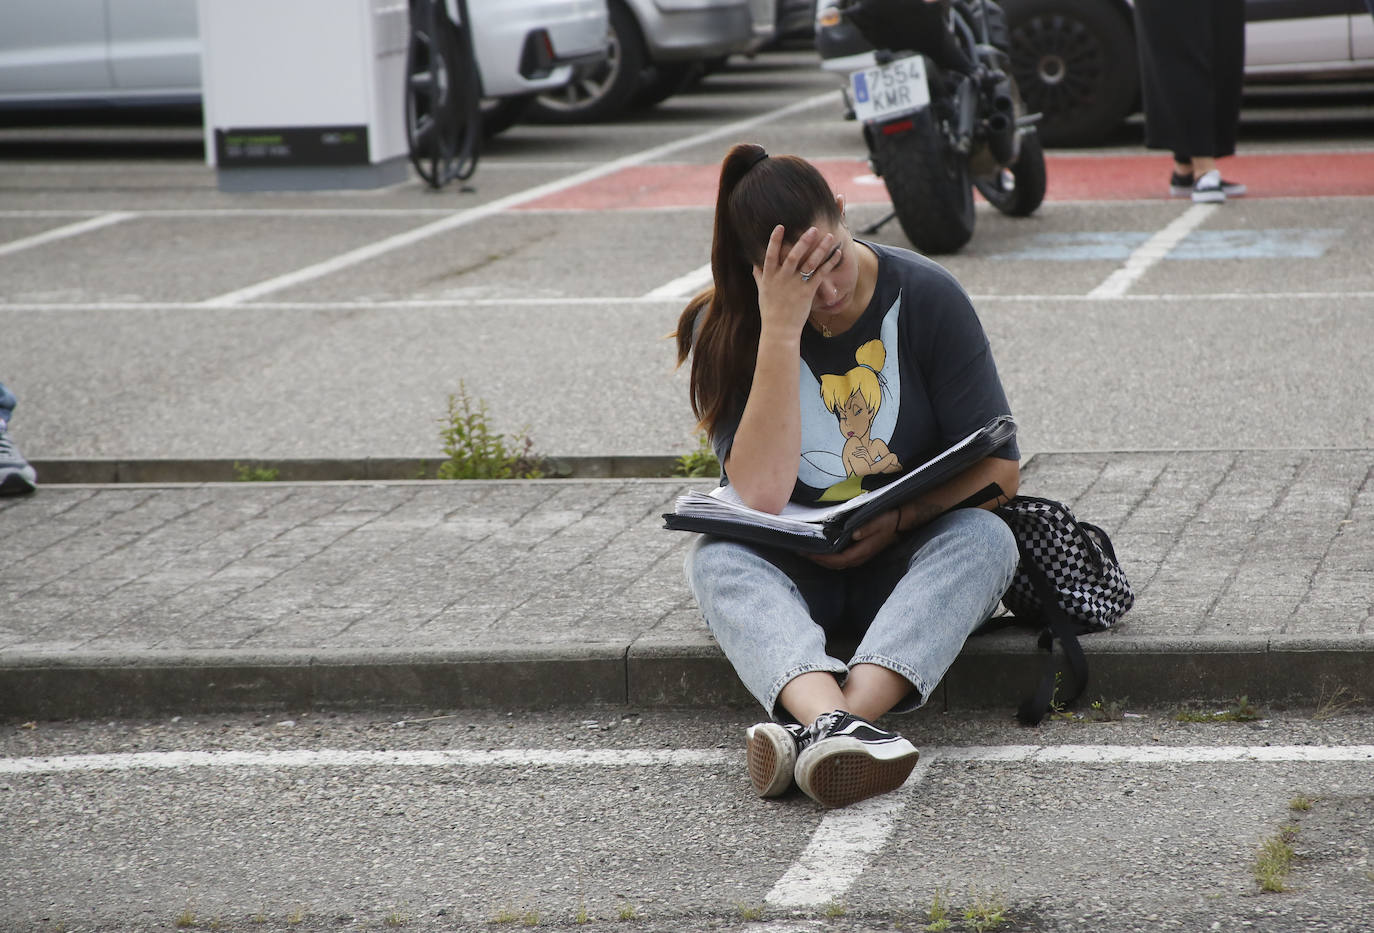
pixel 987 912
pixel 247 473
pixel 396 919
pixel 1274 861
pixel 938 914
pixel 187 918
pixel 699 462
pixel 1101 710
pixel 297 916
pixel 628 912
pixel 835 910
pixel 1331 705
pixel 476 451
pixel 1302 802
pixel 1243 711
pixel 582 917
pixel 750 911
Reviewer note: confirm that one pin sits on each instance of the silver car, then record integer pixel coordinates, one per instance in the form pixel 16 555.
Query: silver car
pixel 656 47
pixel 96 52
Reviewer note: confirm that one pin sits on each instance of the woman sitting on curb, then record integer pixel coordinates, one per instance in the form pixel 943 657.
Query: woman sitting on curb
pixel 823 366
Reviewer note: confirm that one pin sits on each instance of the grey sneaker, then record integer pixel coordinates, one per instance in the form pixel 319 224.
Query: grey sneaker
pixel 772 751
pixel 846 758
pixel 17 477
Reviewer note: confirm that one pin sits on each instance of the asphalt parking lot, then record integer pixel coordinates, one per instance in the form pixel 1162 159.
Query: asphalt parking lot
pixel 144 315
pixel 148 315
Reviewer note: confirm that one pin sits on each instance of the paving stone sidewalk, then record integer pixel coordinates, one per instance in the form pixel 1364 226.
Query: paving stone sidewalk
pixel 1254 574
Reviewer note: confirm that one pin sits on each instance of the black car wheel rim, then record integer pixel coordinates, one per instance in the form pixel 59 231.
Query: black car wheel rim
pixel 1059 64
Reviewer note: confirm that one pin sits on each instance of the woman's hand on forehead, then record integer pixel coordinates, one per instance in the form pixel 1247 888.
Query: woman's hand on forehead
pixel 788 279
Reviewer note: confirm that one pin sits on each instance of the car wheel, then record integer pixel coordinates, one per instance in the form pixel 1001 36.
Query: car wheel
pixel 1075 62
pixel 606 92
pixel 501 113
pixel 664 80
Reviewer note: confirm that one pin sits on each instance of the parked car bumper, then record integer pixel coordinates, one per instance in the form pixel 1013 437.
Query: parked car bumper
pixel 529 46
pixel 691 30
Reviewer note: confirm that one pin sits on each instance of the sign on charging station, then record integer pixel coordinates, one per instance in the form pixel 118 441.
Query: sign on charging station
pixel 304 94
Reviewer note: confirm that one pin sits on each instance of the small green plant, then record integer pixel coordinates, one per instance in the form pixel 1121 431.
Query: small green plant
pixel 938 914
pixel 1301 802
pixel 628 912
pixel 1242 711
pixel 259 918
pixel 582 917
pixel 476 451
pixel 699 462
pixel 396 919
pixel 247 473
pixel 987 912
pixel 1332 704
pixel 835 910
pixel 750 911
pixel 297 916
pixel 187 918
pixel 1273 862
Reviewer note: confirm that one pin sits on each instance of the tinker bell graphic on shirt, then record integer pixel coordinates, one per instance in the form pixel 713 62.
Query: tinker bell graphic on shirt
pixel 848 418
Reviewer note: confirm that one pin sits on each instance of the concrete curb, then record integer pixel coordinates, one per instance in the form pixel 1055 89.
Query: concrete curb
pixel 124 471
pixel 994 672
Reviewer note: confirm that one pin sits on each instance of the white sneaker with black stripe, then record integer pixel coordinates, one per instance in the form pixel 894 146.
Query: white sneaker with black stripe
pixel 772 752
pixel 845 759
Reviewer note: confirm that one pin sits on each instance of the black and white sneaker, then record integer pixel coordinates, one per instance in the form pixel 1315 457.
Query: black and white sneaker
pixel 772 750
pixel 1181 186
pixel 845 759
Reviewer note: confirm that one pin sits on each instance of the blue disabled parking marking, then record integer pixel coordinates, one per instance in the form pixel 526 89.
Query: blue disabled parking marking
pixel 1117 246
pixel 1281 243
pixel 1075 247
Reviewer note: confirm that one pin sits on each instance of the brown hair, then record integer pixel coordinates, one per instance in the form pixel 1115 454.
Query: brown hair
pixel 719 328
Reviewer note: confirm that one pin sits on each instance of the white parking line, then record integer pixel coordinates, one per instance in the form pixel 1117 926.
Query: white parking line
pixel 401 304
pixel 472 215
pixel 642 757
pixel 843 844
pixel 62 233
pixel 1152 251
pixel 841 848
pixel 684 286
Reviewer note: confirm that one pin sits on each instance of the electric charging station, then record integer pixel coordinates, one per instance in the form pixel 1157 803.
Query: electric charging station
pixel 305 94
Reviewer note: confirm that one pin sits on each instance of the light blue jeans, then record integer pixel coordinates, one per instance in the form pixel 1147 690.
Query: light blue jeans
pixel 777 615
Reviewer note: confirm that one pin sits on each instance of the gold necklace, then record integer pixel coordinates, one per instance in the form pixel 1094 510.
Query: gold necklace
pixel 825 331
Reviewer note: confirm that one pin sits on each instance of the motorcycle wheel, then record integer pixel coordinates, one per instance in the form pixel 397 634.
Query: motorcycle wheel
pixel 929 185
pixel 1018 189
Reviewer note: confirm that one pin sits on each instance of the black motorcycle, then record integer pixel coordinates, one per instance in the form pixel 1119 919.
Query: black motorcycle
pixel 941 114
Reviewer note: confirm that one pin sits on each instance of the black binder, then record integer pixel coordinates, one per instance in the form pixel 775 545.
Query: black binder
pixel 828 530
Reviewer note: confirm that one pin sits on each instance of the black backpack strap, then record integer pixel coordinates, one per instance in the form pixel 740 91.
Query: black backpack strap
pixel 1058 625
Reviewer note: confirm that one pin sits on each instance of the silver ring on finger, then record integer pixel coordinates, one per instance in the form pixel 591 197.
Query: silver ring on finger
pixel 806 276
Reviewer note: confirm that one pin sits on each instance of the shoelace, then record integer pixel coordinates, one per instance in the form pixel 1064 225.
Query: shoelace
pixel 8 452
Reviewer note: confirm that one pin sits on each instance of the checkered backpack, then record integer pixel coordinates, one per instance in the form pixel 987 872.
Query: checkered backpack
pixel 1068 583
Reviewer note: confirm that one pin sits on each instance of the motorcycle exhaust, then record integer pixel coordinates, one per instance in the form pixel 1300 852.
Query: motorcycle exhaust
pixel 1001 123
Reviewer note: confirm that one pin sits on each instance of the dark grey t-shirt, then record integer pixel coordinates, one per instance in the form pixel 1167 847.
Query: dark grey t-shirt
pixel 913 376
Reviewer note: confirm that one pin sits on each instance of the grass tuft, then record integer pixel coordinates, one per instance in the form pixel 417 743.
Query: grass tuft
pixel 1242 711
pixel 476 451
pixel 987 912
pixel 247 473
pixel 938 914
pixel 1273 862
pixel 699 462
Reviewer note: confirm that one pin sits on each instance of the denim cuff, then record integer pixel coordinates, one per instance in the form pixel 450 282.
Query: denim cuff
pixel 920 690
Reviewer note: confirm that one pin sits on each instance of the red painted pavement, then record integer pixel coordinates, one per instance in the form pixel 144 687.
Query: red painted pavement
pixel 1071 178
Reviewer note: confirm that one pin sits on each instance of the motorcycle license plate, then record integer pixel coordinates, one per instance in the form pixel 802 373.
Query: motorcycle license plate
pixel 892 90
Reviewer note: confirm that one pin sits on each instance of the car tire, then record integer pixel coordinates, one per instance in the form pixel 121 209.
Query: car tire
pixel 501 113
pixel 1076 64
pixel 610 89
pixel 664 80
